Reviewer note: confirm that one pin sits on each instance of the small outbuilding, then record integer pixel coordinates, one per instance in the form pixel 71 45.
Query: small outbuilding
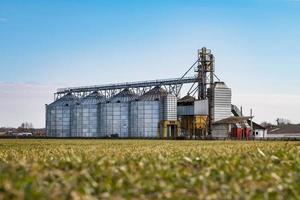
pixel 258 130
pixel 232 127
pixel 284 131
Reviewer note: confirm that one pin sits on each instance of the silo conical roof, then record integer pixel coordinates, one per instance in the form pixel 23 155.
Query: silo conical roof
pixel 124 96
pixel 154 94
pixel 93 98
pixel 220 85
pixel 66 99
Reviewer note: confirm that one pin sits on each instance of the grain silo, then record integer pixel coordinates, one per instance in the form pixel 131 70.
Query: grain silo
pixel 58 116
pixel 146 114
pixel 169 107
pixel 221 101
pixel 169 125
pixel 85 116
pixel 114 114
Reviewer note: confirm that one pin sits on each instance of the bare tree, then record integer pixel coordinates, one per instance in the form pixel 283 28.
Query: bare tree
pixel 30 125
pixel 22 125
pixel 282 121
pixel 25 126
pixel 266 124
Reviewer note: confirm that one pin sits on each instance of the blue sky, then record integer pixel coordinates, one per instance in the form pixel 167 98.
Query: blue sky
pixel 58 43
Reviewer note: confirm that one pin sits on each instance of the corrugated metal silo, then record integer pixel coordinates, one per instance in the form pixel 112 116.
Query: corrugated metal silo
pixel 114 115
pixel 58 116
pixel 145 114
pixel 222 101
pixel 169 107
pixel 85 116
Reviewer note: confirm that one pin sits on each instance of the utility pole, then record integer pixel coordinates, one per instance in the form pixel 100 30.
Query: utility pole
pixel 251 124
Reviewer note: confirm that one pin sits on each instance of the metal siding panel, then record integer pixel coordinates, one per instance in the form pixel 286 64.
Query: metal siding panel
pixel 222 102
pixel 144 115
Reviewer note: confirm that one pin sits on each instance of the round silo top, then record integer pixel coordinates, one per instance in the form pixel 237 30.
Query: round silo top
pixel 154 94
pixel 67 100
pixel 125 95
pixel 93 98
pixel 220 85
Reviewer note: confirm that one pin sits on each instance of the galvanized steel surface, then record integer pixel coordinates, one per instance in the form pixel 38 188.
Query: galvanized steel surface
pixel 124 96
pixel 148 111
pixel 185 110
pixel 85 116
pixel 154 94
pixel 144 119
pixel 124 115
pixel 169 107
pixel 114 119
pixel 58 116
pixel 201 107
pixel 145 114
pixel 114 115
pixel 222 101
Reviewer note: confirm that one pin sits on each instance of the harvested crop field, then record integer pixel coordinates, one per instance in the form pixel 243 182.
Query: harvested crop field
pixel 144 169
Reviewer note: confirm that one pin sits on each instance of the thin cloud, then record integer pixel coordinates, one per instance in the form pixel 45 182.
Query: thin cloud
pixel 21 102
pixel 3 19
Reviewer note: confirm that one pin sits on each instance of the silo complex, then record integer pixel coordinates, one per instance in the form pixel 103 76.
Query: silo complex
pixel 146 109
pixel 124 115
pixel 154 114
pixel 145 114
pixel 85 116
pixel 114 114
pixel 58 116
